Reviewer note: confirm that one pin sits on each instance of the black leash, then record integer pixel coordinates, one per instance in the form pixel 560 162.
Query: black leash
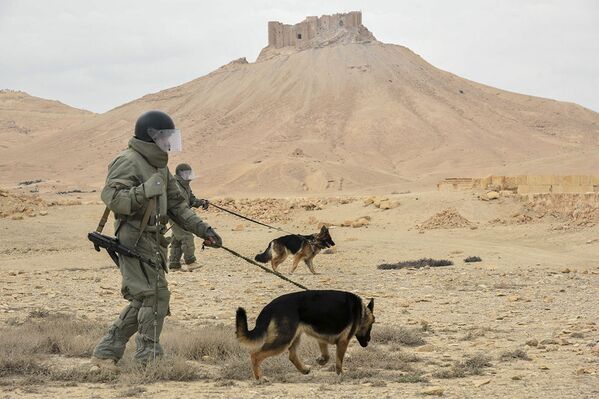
pixel 257 222
pixel 266 269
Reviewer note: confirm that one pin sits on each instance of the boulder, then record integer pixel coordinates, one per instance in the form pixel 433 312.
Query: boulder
pixel 493 195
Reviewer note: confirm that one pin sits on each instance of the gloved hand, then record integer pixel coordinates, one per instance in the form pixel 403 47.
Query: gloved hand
pixel 203 203
pixel 154 186
pixel 212 239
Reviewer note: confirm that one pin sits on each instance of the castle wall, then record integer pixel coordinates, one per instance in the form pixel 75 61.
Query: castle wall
pixel 281 35
pixel 526 184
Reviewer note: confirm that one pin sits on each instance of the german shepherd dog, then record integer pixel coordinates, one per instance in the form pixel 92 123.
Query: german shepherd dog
pixel 332 317
pixel 302 247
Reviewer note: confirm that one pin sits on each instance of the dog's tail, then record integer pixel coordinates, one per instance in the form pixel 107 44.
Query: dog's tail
pixel 250 339
pixel 265 256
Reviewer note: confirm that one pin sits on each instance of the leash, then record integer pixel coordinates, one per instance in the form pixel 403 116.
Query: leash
pixel 257 222
pixel 251 220
pixel 279 275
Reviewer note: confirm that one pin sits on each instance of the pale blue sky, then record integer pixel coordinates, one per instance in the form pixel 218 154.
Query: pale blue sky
pixel 100 54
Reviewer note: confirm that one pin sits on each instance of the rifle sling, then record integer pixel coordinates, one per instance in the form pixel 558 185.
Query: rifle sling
pixel 151 208
pixel 103 220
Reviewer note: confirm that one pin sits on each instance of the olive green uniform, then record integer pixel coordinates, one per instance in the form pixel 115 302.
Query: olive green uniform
pixel 125 195
pixel 182 242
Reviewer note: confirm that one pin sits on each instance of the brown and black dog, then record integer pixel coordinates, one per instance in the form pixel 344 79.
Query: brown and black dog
pixel 332 317
pixel 303 247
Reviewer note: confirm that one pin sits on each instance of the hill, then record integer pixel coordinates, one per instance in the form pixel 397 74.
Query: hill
pixel 334 111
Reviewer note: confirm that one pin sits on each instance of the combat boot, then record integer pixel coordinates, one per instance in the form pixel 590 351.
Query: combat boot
pixel 174 266
pixel 193 266
pixel 103 365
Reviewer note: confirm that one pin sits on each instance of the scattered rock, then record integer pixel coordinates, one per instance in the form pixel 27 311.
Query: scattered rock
pixel 566 270
pixel 493 195
pixel 582 371
pixel 514 298
pixel 17 217
pixel 480 383
pixel 549 341
pixel 433 391
pixel 384 205
pixel 532 342
pixel 543 367
pixel 239 227
pixel 361 222
pixel 449 218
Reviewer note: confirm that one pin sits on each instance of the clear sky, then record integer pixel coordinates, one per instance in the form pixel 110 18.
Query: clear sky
pixel 100 54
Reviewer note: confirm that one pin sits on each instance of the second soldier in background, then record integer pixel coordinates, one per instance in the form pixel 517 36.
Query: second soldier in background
pixel 182 242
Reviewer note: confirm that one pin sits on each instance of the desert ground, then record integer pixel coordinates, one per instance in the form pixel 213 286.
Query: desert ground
pixel 521 323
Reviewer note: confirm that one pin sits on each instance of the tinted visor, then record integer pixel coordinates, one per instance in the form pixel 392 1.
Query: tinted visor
pixel 187 174
pixel 168 140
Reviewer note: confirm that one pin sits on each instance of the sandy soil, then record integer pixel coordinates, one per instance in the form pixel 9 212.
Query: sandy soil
pixel 535 282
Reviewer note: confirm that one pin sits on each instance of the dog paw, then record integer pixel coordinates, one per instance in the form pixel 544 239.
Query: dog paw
pixel 322 360
pixel 262 380
pixel 306 370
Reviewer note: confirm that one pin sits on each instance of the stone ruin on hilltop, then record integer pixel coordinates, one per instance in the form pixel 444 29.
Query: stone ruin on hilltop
pixel 314 32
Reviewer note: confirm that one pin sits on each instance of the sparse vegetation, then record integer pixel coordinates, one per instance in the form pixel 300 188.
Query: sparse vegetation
pixel 26 345
pixel 398 335
pixel 477 332
pixel 415 264
pixel 472 259
pixel 517 354
pixel 471 365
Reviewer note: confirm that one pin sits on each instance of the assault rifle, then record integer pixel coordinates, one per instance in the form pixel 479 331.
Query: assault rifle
pixel 114 247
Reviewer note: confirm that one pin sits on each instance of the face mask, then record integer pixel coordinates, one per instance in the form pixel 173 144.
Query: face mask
pixel 187 175
pixel 168 140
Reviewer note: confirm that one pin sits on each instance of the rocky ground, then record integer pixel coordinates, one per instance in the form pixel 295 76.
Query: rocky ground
pixel 527 314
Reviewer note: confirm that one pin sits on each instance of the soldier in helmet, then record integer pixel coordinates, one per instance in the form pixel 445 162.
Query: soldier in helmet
pixel 182 242
pixel 143 195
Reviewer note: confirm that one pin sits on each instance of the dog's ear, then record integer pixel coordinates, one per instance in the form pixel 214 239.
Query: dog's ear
pixel 324 229
pixel 371 305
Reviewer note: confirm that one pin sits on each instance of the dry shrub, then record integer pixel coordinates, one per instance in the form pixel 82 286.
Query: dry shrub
pixel 132 392
pixel 398 335
pixel 415 264
pixel 210 343
pixel 52 334
pixel 477 332
pixel 21 364
pixel 514 355
pixel 25 347
pixel 169 368
pixel 374 357
pixel 472 259
pixel 410 378
pixel 278 367
pixel 471 365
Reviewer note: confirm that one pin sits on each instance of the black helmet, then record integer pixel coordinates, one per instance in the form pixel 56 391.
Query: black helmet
pixel 152 120
pixel 182 167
